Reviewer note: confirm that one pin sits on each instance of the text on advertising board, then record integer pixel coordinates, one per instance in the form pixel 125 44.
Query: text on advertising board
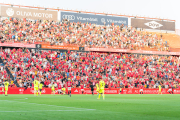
pixel 153 24
pixel 94 19
pixel 28 13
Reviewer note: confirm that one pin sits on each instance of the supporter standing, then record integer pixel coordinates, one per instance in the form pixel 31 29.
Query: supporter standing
pixel 92 88
pixel 69 86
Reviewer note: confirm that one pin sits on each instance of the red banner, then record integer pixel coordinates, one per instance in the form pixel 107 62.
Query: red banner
pixel 18 45
pixel 88 91
pixel 131 51
pixel 59 47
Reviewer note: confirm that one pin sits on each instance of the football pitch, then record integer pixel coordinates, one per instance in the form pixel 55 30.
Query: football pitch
pixel 87 107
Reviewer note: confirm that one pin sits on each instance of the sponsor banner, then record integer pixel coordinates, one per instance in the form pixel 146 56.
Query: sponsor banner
pixel 38 46
pixel 131 51
pixel 60 47
pixel 152 24
pixel 18 45
pixel 34 14
pixel 94 19
pixel 88 91
pixel 81 48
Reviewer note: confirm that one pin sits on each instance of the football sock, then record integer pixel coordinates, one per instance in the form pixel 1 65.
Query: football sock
pixel 40 93
pixel 103 95
pixel 5 92
pixel 37 94
pixel 99 96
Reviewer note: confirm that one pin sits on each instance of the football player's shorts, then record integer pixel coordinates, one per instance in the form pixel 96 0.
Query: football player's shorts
pixel 59 90
pixel 6 88
pixel 141 90
pixel 101 91
pixel 69 88
pixel 36 88
pixel 170 89
pixel 97 90
pixel 53 90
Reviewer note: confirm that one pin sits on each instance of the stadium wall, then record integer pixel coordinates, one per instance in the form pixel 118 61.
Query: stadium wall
pixel 88 91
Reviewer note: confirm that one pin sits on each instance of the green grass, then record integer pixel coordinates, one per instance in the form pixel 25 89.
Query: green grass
pixel 87 107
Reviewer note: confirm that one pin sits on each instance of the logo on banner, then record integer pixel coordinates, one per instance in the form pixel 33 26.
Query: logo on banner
pixel 103 20
pixel 38 46
pixel 153 24
pixel 69 17
pixel 10 12
pixel 76 90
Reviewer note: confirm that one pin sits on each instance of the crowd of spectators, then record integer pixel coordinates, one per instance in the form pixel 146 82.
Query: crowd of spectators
pixel 79 34
pixel 117 69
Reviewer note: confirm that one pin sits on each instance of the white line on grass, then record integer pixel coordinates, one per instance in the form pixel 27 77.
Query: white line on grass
pixel 21 99
pixel 41 111
pixel 47 105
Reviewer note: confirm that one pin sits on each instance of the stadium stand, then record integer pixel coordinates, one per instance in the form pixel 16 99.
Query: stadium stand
pixel 79 34
pixel 127 70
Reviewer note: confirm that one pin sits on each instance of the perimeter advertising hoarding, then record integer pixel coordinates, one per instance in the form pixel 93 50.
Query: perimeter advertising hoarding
pixel 59 47
pixel 34 14
pixel 18 45
pixel 88 91
pixel 153 24
pixel 94 19
pixel 131 51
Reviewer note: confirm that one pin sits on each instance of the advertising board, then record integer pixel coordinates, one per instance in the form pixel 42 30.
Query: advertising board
pixel 153 24
pixel 35 14
pixel 94 19
pixel 88 91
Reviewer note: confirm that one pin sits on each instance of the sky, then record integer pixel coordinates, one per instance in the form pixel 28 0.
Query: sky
pixel 165 9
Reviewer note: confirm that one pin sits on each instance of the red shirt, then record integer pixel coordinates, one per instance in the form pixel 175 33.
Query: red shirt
pixel 59 86
pixel 69 84
pixel 82 86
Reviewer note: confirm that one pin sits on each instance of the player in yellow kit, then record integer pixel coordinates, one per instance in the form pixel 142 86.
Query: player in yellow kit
pixel 63 90
pixel 36 84
pixel 6 85
pixel 97 88
pixel 101 86
pixel 52 88
pixel 160 90
pixel 40 87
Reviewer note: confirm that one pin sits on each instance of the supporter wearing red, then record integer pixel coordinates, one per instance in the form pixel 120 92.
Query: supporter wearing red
pixel 141 89
pixel 170 89
pixel 59 88
pixel 82 88
pixel 69 86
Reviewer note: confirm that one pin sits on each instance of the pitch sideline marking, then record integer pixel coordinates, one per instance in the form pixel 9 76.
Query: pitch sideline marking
pixel 47 105
pixel 41 110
